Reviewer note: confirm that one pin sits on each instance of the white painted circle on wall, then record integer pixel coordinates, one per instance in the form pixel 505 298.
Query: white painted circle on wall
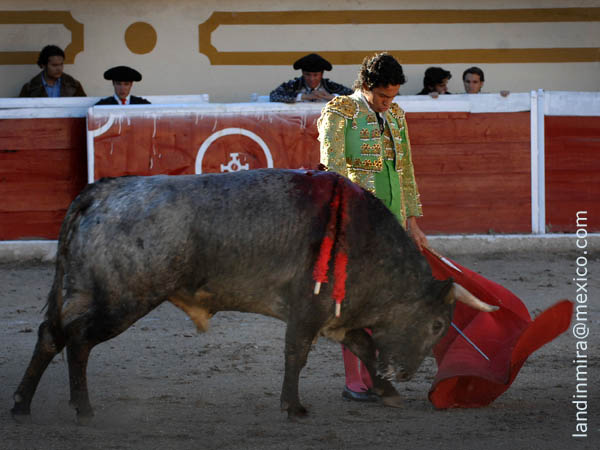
pixel 226 132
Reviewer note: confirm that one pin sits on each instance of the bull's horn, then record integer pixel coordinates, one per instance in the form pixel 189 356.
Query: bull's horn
pixel 457 292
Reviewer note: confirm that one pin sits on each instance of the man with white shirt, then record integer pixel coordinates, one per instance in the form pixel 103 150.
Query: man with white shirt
pixel 311 86
pixel 122 78
pixel 364 137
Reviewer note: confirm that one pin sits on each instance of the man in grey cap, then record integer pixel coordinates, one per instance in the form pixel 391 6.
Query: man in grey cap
pixel 122 78
pixel 311 86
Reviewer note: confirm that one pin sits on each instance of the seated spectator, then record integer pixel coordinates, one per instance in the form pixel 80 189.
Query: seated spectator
pixel 52 81
pixel 435 82
pixel 473 79
pixel 311 86
pixel 122 78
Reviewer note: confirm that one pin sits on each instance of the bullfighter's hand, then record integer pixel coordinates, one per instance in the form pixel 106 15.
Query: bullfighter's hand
pixel 416 234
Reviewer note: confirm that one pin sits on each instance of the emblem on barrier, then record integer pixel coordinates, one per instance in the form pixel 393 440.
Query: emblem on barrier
pixel 252 152
pixel 234 165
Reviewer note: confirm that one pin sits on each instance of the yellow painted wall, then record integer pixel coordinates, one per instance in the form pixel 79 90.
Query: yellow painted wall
pixel 232 48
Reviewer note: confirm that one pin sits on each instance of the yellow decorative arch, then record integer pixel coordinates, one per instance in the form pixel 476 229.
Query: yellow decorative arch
pixel 511 55
pixel 40 18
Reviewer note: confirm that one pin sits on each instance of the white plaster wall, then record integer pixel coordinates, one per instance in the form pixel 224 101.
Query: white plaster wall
pixel 175 66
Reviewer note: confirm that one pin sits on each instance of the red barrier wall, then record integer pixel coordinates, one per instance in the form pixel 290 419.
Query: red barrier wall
pixel 572 172
pixel 146 145
pixel 42 169
pixel 473 171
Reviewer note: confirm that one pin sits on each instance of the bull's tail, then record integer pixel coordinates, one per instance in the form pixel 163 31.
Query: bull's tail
pixel 68 228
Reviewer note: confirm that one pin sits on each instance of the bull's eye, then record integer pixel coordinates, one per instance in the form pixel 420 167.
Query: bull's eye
pixel 437 326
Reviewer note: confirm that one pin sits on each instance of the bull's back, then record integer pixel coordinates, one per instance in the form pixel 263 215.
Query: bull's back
pixel 157 234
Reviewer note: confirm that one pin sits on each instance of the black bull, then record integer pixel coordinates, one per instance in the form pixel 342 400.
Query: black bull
pixel 238 242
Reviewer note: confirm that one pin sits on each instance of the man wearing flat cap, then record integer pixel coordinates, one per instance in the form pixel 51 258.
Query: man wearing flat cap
pixel 311 86
pixel 122 78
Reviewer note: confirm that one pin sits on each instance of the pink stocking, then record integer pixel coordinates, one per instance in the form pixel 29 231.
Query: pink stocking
pixel 357 375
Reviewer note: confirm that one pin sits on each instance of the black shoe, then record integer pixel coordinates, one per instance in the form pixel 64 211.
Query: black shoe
pixel 365 396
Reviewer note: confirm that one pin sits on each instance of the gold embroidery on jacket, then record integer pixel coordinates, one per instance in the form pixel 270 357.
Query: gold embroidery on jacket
pixel 364 179
pixel 363 169
pixel 365 164
pixel 370 150
pixel 343 106
pixel 396 112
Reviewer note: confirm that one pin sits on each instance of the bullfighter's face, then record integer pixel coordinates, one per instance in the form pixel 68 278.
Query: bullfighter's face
pixel 380 98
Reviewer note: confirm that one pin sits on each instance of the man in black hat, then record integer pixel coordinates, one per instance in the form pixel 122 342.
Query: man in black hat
pixel 311 86
pixel 122 78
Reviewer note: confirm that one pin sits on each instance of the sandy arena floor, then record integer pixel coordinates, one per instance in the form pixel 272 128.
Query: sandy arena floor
pixel 160 385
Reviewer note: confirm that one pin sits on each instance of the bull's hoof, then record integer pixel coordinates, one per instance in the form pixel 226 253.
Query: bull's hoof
pixel 20 416
pixel 84 420
pixel 84 413
pixel 393 401
pixel 294 409
pixel 299 412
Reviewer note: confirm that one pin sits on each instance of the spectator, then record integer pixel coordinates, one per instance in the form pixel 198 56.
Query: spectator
pixel 435 82
pixel 473 79
pixel 52 81
pixel 122 78
pixel 311 86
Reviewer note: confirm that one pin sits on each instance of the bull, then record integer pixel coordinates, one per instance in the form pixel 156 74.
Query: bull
pixel 245 242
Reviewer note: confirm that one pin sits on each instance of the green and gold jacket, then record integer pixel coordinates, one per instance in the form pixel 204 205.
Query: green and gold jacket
pixel 353 145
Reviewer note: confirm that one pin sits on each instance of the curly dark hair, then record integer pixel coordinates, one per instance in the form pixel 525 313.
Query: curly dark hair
pixel 379 70
pixel 47 52
pixel 433 76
